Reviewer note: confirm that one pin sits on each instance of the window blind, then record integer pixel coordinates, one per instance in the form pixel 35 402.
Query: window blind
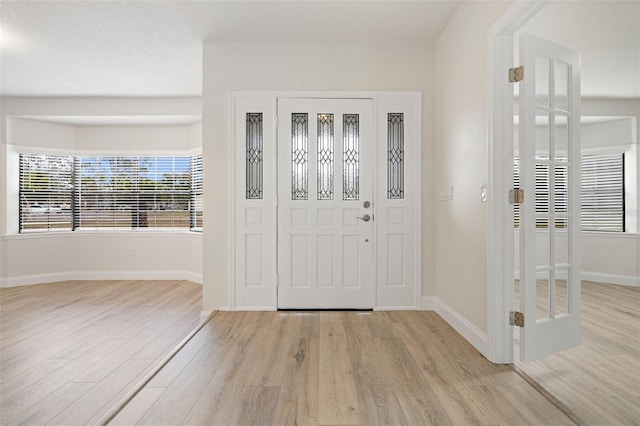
pixel 196 193
pixel 66 193
pixel 45 191
pixel 601 198
pixel 133 192
pixel 602 193
pixel 542 188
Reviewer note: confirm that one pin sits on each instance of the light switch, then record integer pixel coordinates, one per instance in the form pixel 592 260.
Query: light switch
pixel 446 193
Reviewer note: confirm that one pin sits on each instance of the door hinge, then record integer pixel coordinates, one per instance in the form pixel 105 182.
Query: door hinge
pixel 516 318
pixel 516 74
pixel 277 280
pixel 516 196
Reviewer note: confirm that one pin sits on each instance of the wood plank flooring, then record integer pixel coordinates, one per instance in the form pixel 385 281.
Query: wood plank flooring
pixel 70 350
pixel 334 368
pixel 599 381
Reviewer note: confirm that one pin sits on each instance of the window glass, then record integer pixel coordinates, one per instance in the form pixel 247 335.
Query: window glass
pixel 110 192
pixel 45 186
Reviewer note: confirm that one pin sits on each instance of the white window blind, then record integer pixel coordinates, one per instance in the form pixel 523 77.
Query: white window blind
pixel 196 193
pixel 133 192
pixel 67 193
pixel 602 192
pixel 45 186
pixel 542 185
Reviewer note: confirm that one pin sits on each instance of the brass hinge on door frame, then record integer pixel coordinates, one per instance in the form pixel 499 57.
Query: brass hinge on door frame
pixel 516 74
pixel 516 318
pixel 516 196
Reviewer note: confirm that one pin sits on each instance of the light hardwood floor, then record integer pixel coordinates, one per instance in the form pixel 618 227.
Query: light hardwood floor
pixel 334 368
pixel 599 381
pixel 70 350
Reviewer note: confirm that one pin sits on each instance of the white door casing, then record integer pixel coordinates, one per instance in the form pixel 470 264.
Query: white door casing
pixel 549 145
pixel 395 230
pixel 325 203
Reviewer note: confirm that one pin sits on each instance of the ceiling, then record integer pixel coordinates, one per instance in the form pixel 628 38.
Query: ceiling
pixel 154 48
pixel 607 33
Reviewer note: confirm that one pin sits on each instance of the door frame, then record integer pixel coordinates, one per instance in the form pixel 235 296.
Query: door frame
pixel 500 232
pixel 412 102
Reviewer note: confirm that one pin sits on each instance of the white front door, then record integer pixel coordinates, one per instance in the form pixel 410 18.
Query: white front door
pixel 549 150
pixel 325 203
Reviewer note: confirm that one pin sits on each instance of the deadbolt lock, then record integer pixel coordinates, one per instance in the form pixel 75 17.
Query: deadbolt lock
pixel 366 204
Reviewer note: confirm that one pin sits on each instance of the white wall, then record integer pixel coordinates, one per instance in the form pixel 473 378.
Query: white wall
pixel 461 147
pixel 608 257
pixel 38 258
pixel 310 66
pixel 156 138
pixel 611 258
pixel 28 132
pixel 34 258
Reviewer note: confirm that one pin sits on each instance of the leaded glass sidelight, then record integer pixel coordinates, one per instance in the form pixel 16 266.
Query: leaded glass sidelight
pixel 351 166
pixel 325 156
pixel 395 156
pixel 254 156
pixel 299 156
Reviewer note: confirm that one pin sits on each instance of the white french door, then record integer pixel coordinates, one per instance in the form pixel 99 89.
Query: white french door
pixel 325 203
pixel 549 151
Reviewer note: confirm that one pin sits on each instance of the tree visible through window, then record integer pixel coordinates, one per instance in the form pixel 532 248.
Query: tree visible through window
pixel 45 187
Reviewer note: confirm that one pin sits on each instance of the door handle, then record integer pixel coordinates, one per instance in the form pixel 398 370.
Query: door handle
pixel 365 218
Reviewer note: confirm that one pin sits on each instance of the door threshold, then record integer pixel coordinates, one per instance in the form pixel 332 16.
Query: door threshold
pixel 325 310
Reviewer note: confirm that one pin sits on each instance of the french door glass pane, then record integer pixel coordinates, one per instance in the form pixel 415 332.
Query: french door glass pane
pixel 542 81
pixel 561 83
pixel 561 138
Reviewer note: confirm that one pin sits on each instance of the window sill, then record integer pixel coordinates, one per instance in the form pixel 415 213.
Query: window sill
pixel 105 233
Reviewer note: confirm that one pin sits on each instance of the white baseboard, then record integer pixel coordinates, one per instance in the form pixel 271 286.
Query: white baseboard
pixel 467 330
pixel 100 275
pixel 627 280
pixel 34 279
pixel 394 308
pixel 253 309
pixel 204 315
pixel 428 303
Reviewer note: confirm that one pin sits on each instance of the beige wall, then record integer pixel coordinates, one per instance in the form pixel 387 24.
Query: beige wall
pixel 461 159
pixel 59 256
pixel 298 66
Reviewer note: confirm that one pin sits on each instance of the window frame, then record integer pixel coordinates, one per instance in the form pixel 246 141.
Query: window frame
pixel 42 197
pixel 76 192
